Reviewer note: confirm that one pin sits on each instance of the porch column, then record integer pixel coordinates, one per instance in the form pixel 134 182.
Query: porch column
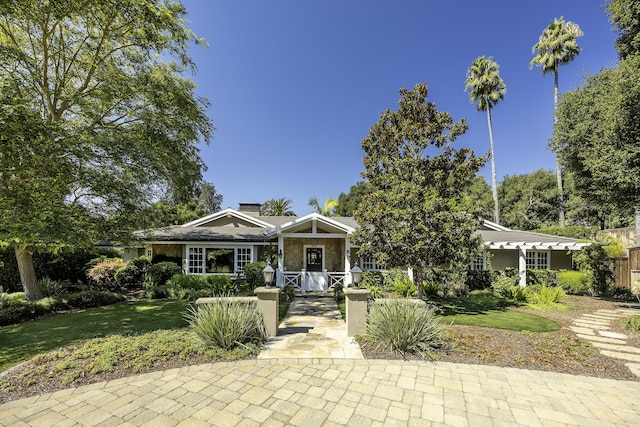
pixel 279 275
pixel 347 262
pixel 522 266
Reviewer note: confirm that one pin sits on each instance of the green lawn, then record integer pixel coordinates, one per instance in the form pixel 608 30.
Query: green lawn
pixel 26 340
pixel 485 309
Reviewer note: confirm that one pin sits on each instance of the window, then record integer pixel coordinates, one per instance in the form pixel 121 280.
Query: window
pixel 219 260
pixel 203 260
pixel 479 263
pixel 196 258
pixel 244 258
pixel 149 252
pixel 369 264
pixel 537 260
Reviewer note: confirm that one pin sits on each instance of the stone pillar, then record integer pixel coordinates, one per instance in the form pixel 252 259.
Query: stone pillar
pixel 268 302
pixel 356 310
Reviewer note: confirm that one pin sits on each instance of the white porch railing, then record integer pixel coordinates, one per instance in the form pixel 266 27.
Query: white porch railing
pixel 293 278
pixel 336 278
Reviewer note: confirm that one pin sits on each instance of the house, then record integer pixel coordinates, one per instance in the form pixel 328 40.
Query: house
pixel 315 252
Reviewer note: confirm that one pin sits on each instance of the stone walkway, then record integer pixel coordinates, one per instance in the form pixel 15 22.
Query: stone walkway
pixel 595 328
pixel 338 388
pixel 313 328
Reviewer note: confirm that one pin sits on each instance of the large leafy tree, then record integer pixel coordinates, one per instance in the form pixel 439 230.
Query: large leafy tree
pixel 417 213
pixel 529 200
pixel 486 89
pixel 557 46
pixel 623 14
pixel 597 137
pixel 112 121
pixel 278 207
pixel 348 202
pixel 479 194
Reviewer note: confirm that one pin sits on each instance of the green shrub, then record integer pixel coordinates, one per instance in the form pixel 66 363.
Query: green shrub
pixel 220 284
pixel 253 273
pixel 516 293
pixel 102 275
pixel 91 299
pixel 594 261
pixel 371 279
pixel 52 288
pixel 160 273
pixel 375 291
pixel 398 282
pixel 227 324
pixel 502 286
pixel 538 277
pixel 546 295
pixel 188 281
pixel 574 282
pixel 431 288
pixel 405 288
pixel 132 276
pixel 15 314
pixel 632 323
pixel 404 327
pixel 153 291
pixel 478 280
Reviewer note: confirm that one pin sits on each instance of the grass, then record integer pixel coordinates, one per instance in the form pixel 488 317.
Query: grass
pixel 489 311
pixel 26 340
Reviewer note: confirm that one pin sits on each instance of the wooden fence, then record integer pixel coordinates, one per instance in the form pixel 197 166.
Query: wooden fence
pixel 623 266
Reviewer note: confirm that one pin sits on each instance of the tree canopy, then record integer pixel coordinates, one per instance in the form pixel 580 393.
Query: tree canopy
pixel 417 214
pixel 278 207
pixel 113 120
pixel 597 138
pixel 348 202
pixel 623 14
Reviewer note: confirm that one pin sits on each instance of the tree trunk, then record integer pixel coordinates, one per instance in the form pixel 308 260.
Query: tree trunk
pixel 558 171
pixel 494 185
pixel 418 276
pixel 637 221
pixel 24 256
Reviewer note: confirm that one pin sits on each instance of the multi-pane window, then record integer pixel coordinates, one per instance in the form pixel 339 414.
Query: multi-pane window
pixel 537 260
pixel 196 260
pixel 244 257
pixel 479 263
pixel 368 264
pixel 203 260
pixel 149 251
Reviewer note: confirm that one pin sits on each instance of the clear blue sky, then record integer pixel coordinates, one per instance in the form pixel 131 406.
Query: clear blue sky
pixel 296 85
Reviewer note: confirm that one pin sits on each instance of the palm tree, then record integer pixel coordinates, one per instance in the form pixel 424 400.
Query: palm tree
pixel 556 46
pixel 278 207
pixel 329 206
pixel 487 88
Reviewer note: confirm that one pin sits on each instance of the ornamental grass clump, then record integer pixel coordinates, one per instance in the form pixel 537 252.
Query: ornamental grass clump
pixel 546 295
pixel 405 327
pixel 226 323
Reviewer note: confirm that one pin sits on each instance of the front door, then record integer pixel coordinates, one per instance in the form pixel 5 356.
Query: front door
pixel 314 259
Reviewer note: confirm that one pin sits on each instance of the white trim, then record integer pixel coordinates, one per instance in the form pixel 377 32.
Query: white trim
pixel 494 226
pixel 228 212
pixel 313 218
pixel 304 249
pixel 536 245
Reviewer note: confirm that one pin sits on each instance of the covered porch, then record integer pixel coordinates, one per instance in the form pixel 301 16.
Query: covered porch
pixel 314 253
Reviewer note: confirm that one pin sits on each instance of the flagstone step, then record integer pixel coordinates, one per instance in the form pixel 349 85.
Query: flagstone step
pixel 616 347
pixel 597 338
pixel 631 357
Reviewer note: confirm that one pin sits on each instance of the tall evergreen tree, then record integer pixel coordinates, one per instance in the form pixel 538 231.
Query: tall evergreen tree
pixel 417 214
pixel 487 89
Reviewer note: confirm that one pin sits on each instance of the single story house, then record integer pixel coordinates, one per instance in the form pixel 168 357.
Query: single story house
pixel 315 252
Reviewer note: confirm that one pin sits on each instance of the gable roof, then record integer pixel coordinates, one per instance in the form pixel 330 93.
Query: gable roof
pixel 312 218
pixel 228 213
pixel 265 228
